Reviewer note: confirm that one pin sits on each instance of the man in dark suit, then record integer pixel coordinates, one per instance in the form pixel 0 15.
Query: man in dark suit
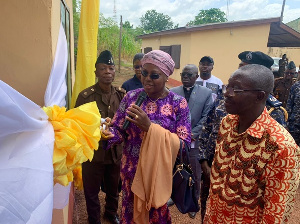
pixel 104 169
pixel 200 100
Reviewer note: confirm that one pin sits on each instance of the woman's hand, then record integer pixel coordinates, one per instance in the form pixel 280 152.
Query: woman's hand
pixel 139 117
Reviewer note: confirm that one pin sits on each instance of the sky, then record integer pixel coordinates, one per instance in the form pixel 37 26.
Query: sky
pixel 183 11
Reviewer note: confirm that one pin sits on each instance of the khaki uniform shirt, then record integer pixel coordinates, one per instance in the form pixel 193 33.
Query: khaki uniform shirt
pixel 282 89
pixel 107 105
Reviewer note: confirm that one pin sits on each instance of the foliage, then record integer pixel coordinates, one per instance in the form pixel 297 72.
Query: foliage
pixel 127 25
pixel 212 15
pixel 109 36
pixel 154 21
pixel 76 18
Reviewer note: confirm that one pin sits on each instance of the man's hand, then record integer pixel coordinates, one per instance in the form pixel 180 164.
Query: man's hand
pixel 106 134
pixel 205 169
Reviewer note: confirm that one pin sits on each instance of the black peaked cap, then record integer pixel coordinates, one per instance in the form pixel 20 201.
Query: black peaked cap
pixel 256 57
pixel 105 57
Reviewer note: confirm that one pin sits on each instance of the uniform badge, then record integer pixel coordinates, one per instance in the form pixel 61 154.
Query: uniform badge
pixel 249 56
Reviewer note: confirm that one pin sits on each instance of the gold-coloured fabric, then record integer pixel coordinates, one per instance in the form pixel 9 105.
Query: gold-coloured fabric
pixel 77 133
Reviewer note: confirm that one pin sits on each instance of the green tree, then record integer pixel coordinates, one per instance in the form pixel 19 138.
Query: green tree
pixel 127 25
pixel 212 15
pixel 154 21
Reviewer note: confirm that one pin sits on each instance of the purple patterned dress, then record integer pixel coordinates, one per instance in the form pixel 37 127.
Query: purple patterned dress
pixel 172 113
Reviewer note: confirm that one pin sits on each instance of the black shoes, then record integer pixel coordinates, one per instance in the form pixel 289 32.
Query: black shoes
pixel 114 219
pixel 192 215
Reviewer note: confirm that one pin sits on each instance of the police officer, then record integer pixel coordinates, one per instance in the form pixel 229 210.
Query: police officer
pixel 293 108
pixel 104 169
pixel 283 84
pixel 274 106
pixel 283 62
pixel 208 136
pixel 135 81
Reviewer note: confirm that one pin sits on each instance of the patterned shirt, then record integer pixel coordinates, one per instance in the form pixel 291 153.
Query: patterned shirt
pixel 208 136
pixel 293 108
pixel 255 174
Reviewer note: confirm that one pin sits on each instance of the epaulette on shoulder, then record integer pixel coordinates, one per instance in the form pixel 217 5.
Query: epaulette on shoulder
pixel 273 102
pixel 121 90
pixel 88 91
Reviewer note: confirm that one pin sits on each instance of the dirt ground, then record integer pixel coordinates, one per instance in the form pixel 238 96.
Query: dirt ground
pixel 80 215
pixel 125 74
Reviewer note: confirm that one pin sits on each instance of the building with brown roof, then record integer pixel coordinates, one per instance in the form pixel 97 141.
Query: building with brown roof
pixel 223 42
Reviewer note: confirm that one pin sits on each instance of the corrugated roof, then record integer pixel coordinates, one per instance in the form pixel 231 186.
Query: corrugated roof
pixel 295 24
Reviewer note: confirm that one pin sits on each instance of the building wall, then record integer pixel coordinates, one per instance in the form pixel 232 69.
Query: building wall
pixel 293 54
pixel 223 45
pixel 26 46
pixel 182 39
pixel 29 32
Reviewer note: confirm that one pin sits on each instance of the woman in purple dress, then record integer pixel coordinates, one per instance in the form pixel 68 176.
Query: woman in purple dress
pixel 161 107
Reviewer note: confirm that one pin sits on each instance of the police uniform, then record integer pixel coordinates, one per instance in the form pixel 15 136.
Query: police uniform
pixel 133 83
pixel 282 89
pixel 283 85
pixel 293 108
pixel 282 64
pixel 108 105
pixel 104 169
pixel 276 110
pixel 274 106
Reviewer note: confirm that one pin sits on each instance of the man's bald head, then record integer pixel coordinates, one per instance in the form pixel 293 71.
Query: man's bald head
pixel 259 77
pixel 192 68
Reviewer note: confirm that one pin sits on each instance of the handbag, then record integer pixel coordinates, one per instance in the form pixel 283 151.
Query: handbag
pixel 184 189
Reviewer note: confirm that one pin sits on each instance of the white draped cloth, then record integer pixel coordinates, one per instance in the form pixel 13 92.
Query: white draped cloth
pixel 26 150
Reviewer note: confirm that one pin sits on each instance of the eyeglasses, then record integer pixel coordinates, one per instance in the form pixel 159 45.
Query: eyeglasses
pixel 152 75
pixel 137 66
pixel 290 73
pixel 186 74
pixel 232 91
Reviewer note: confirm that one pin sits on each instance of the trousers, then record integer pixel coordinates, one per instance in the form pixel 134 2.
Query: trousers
pixel 95 174
pixel 196 167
